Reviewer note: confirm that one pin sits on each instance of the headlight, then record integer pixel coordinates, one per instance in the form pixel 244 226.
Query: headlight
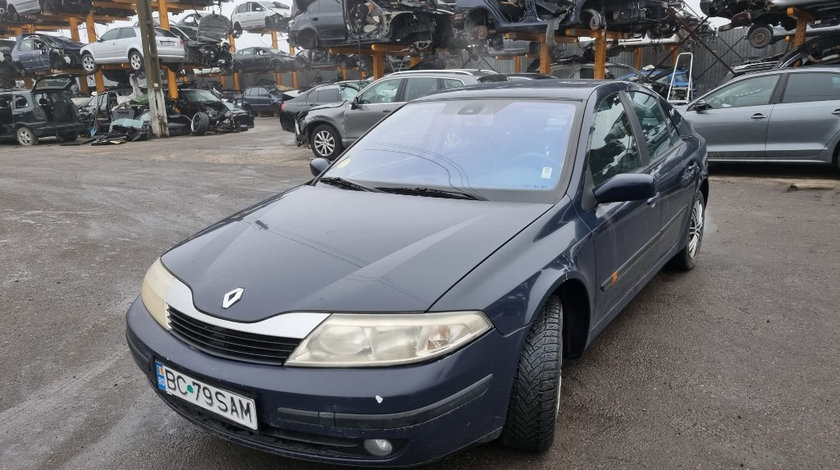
pixel 369 340
pixel 156 285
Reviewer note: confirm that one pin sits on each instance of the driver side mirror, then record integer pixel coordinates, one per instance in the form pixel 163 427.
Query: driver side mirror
pixel 318 165
pixel 626 187
pixel 354 103
pixel 699 105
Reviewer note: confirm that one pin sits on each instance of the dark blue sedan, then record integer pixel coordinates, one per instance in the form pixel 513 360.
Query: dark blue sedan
pixel 419 295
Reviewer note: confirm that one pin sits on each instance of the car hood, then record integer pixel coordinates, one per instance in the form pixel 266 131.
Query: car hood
pixel 213 28
pixel 320 248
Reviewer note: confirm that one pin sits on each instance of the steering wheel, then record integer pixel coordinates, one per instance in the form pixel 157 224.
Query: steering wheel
pixel 533 159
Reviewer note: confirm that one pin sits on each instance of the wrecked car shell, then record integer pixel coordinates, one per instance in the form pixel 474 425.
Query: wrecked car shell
pixel 418 24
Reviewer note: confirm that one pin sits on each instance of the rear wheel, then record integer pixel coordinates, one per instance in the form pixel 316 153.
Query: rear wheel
pixel 535 397
pixel 687 257
pixel 135 61
pixel 325 142
pixel 25 136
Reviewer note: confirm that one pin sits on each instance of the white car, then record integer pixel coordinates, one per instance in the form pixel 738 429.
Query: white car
pixel 121 45
pixel 260 15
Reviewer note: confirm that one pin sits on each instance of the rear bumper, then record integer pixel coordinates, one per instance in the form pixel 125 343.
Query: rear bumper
pixel 325 414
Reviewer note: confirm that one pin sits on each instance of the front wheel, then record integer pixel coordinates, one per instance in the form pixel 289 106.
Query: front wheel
pixel 135 60
pixel 200 123
pixel 687 257
pixel 325 142
pixel 535 397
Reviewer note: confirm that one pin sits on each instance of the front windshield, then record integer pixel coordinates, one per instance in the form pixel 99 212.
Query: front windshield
pixel 488 149
pixel 197 96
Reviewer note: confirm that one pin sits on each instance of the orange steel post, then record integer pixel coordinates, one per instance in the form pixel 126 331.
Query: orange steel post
pixel 74 35
pixel 278 77
pixel 378 65
pixel 223 82
pixel 600 55
pixel 91 32
pixel 343 73
pixel 235 74
pixel 802 19
pixel 294 73
pixel 545 57
pixel 171 79
pixel 517 64
pixel 637 58
pixel 415 59
pixel 675 52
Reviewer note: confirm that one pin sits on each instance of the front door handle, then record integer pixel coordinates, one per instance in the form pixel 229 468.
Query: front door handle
pixel 758 116
pixel 386 110
pixel 314 18
pixel 836 112
pixel 652 201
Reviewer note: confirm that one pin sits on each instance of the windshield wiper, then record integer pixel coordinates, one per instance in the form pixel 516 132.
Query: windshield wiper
pixel 347 184
pixel 431 192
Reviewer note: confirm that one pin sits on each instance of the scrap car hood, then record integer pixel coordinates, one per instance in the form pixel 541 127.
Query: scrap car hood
pixel 327 249
pixel 213 28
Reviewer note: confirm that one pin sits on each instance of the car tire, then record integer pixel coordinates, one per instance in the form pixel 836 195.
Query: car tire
pixel 89 65
pixel 535 396
pixel 325 142
pixel 686 259
pixel 25 136
pixel 135 61
pixel 200 123
pixel 68 136
pixel 760 36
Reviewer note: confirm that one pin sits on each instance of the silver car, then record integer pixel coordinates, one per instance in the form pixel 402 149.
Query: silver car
pixel 785 116
pixel 121 45
pixel 259 15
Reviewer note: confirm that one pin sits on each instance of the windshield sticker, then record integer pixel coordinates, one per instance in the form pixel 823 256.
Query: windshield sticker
pixel 546 173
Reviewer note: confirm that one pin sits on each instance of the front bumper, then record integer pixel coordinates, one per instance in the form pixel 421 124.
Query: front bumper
pixel 325 414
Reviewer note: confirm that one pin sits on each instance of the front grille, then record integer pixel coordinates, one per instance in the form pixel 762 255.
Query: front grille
pixel 231 344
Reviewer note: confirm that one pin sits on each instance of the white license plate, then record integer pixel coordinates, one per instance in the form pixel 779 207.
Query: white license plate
pixel 231 405
pixel 167 43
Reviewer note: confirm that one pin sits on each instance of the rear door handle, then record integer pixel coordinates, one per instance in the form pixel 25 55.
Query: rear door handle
pixel 652 201
pixel 386 110
pixel 314 18
pixel 758 116
pixel 836 112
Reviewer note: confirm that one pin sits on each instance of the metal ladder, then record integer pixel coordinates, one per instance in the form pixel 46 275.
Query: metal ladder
pixel 681 94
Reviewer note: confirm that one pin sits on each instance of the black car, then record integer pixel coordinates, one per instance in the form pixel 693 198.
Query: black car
pixel 45 111
pixel 320 23
pixel 419 295
pixel 262 59
pixel 297 107
pixel 35 52
pixel 208 113
pixel 263 99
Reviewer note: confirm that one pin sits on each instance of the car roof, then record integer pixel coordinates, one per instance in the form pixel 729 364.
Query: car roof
pixel 472 72
pixel 577 90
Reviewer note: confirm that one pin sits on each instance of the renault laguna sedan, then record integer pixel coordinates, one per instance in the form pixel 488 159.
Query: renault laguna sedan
pixel 418 295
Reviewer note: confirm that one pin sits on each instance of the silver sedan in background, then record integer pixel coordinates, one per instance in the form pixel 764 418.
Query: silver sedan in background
pixel 786 116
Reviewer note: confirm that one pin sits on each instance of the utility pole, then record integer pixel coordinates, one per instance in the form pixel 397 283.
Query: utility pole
pixel 157 103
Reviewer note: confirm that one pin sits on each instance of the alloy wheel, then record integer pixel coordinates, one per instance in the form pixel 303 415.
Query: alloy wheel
pixel 695 228
pixel 25 136
pixel 88 64
pixel 136 61
pixel 324 143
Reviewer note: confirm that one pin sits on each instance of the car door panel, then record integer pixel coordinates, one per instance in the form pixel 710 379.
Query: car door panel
pixel 377 102
pixel 329 20
pixel 817 96
pixel 625 234
pixel 735 124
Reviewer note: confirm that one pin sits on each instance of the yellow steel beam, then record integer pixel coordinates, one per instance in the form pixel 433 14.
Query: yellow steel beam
pixel 278 77
pixel 235 74
pixel 637 58
pixel 545 57
pixel 517 64
pixel 171 79
pixel 91 36
pixel 600 55
pixel 802 20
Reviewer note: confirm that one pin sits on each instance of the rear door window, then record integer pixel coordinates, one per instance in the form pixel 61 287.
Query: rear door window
pixel 807 87
pixel 660 133
pixel 416 87
pixel 126 33
pixel 111 35
pixel 328 95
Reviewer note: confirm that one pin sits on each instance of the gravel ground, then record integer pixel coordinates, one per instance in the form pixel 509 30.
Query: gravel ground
pixel 734 364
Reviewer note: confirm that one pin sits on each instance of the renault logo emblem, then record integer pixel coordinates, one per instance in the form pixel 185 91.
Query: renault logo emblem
pixel 232 297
